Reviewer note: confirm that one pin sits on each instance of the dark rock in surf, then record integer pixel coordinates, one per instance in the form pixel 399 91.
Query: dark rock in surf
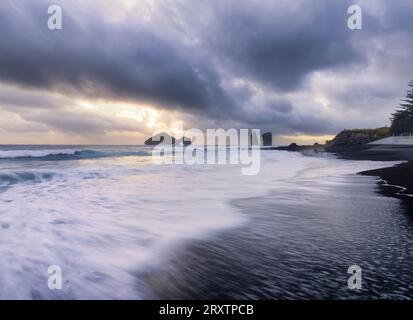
pixel 159 138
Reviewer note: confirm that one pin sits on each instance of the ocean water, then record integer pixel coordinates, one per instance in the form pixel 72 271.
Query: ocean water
pixel 121 226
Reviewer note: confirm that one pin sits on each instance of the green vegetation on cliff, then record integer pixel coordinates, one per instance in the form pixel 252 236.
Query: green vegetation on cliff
pixel 402 118
pixel 356 137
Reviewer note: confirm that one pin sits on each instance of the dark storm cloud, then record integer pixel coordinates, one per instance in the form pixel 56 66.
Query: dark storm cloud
pixel 93 58
pixel 276 46
pixel 188 62
pixel 12 99
pixel 278 116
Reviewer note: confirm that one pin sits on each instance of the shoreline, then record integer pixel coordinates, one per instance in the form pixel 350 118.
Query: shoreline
pixel 394 181
pixel 259 260
pixel 262 260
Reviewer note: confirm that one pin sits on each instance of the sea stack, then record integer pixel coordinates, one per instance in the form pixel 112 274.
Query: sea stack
pixel 161 137
pixel 184 141
pixel 267 139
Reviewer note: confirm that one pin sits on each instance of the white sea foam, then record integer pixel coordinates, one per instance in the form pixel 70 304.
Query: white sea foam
pixel 10 154
pixel 105 220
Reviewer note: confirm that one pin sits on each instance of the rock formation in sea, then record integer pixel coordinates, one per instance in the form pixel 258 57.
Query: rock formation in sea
pixel 158 138
pixel 184 141
pixel 267 139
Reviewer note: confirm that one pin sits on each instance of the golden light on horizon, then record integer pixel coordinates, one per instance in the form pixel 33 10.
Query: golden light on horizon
pixel 149 116
pixel 304 139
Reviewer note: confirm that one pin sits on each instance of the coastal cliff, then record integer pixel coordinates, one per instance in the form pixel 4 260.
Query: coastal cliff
pixel 350 144
pixel 355 139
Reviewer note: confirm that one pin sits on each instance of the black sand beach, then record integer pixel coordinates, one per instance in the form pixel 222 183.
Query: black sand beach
pixel 300 242
pixel 395 181
pixel 400 175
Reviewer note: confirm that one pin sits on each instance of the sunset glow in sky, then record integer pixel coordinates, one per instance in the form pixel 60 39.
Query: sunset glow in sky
pixel 118 70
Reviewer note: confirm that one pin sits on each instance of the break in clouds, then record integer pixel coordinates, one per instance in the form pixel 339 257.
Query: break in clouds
pixel 292 67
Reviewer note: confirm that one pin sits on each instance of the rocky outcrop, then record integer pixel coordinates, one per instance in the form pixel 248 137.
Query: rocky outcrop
pixel 307 149
pixel 184 141
pixel 267 139
pixel 157 139
pixel 292 147
pixel 355 139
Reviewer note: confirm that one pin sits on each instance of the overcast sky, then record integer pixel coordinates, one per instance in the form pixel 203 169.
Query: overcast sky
pixel 119 69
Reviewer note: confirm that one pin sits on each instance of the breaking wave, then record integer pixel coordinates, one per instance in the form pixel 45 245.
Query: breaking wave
pixel 11 178
pixel 67 154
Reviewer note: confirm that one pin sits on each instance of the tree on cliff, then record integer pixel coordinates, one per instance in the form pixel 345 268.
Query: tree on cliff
pixel 402 118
